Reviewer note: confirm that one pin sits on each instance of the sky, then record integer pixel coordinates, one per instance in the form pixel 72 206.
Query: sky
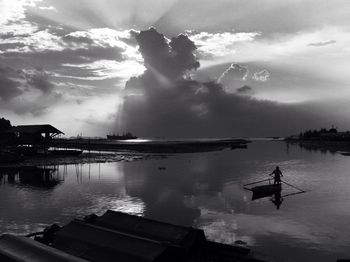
pixel 176 68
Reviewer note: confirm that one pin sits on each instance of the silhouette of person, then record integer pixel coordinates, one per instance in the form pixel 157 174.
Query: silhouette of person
pixel 277 199
pixel 277 175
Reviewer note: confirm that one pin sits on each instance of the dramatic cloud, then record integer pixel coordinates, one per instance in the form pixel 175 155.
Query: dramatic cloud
pixel 167 59
pixel 106 69
pixel 165 102
pixel 26 91
pixel 33 105
pixel 219 44
pixel 89 51
pixel 39 79
pixel 323 43
pixel 103 38
pixel 12 19
pixel 38 41
pixel 10 83
pixel 79 41
pixel 13 11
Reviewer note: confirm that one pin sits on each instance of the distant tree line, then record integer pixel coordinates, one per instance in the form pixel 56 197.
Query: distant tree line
pixel 5 137
pixel 4 125
pixel 325 134
pixel 318 133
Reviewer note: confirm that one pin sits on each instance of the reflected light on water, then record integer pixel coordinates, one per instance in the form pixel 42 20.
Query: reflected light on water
pixel 99 205
pixel 137 140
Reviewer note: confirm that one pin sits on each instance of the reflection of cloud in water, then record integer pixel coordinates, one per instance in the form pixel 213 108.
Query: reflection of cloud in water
pixel 229 227
pixel 23 229
pixel 123 203
pixel 130 205
pixel 222 227
pixel 169 206
pixel 226 217
pixel 162 192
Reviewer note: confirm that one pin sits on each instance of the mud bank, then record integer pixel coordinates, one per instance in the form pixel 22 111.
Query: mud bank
pixel 84 158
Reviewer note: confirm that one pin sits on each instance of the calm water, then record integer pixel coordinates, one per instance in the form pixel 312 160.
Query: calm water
pixel 203 190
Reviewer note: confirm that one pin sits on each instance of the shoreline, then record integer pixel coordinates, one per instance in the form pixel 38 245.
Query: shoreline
pixel 84 158
pixel 184 146
pixel 102 151
pixel 342 147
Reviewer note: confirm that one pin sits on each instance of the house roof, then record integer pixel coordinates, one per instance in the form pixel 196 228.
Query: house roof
pixel 33 129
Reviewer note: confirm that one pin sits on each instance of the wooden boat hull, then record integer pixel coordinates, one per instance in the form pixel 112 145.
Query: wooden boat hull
pixel 116 236
pixel 267 189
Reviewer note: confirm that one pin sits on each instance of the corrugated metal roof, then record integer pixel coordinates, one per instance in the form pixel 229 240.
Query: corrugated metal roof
pixel 17 248
pixel 190 239
pixel 33 129
pixel 101 244
pixel 144 227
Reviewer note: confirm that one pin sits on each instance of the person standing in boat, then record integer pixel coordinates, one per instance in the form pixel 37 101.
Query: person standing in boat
pixel 277 174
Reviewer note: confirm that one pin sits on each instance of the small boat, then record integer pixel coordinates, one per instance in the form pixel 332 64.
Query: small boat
pixel 265 189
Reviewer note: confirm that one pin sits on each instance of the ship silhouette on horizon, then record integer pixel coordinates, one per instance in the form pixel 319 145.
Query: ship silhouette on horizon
pixel 123 136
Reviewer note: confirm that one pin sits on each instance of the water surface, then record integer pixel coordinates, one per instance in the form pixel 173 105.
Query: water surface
pixel 199 189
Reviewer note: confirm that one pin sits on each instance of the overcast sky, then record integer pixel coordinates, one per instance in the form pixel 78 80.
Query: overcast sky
pixel 205 68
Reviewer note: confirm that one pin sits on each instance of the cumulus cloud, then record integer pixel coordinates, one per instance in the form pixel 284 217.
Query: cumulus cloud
pixel 237 76
pixel 261 76
pixel 323 43
pixel 233 73
pixel 164 102
pixel 168 58
pixel 219 44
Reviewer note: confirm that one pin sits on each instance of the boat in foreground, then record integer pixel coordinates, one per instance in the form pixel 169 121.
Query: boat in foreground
pixel 117 236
